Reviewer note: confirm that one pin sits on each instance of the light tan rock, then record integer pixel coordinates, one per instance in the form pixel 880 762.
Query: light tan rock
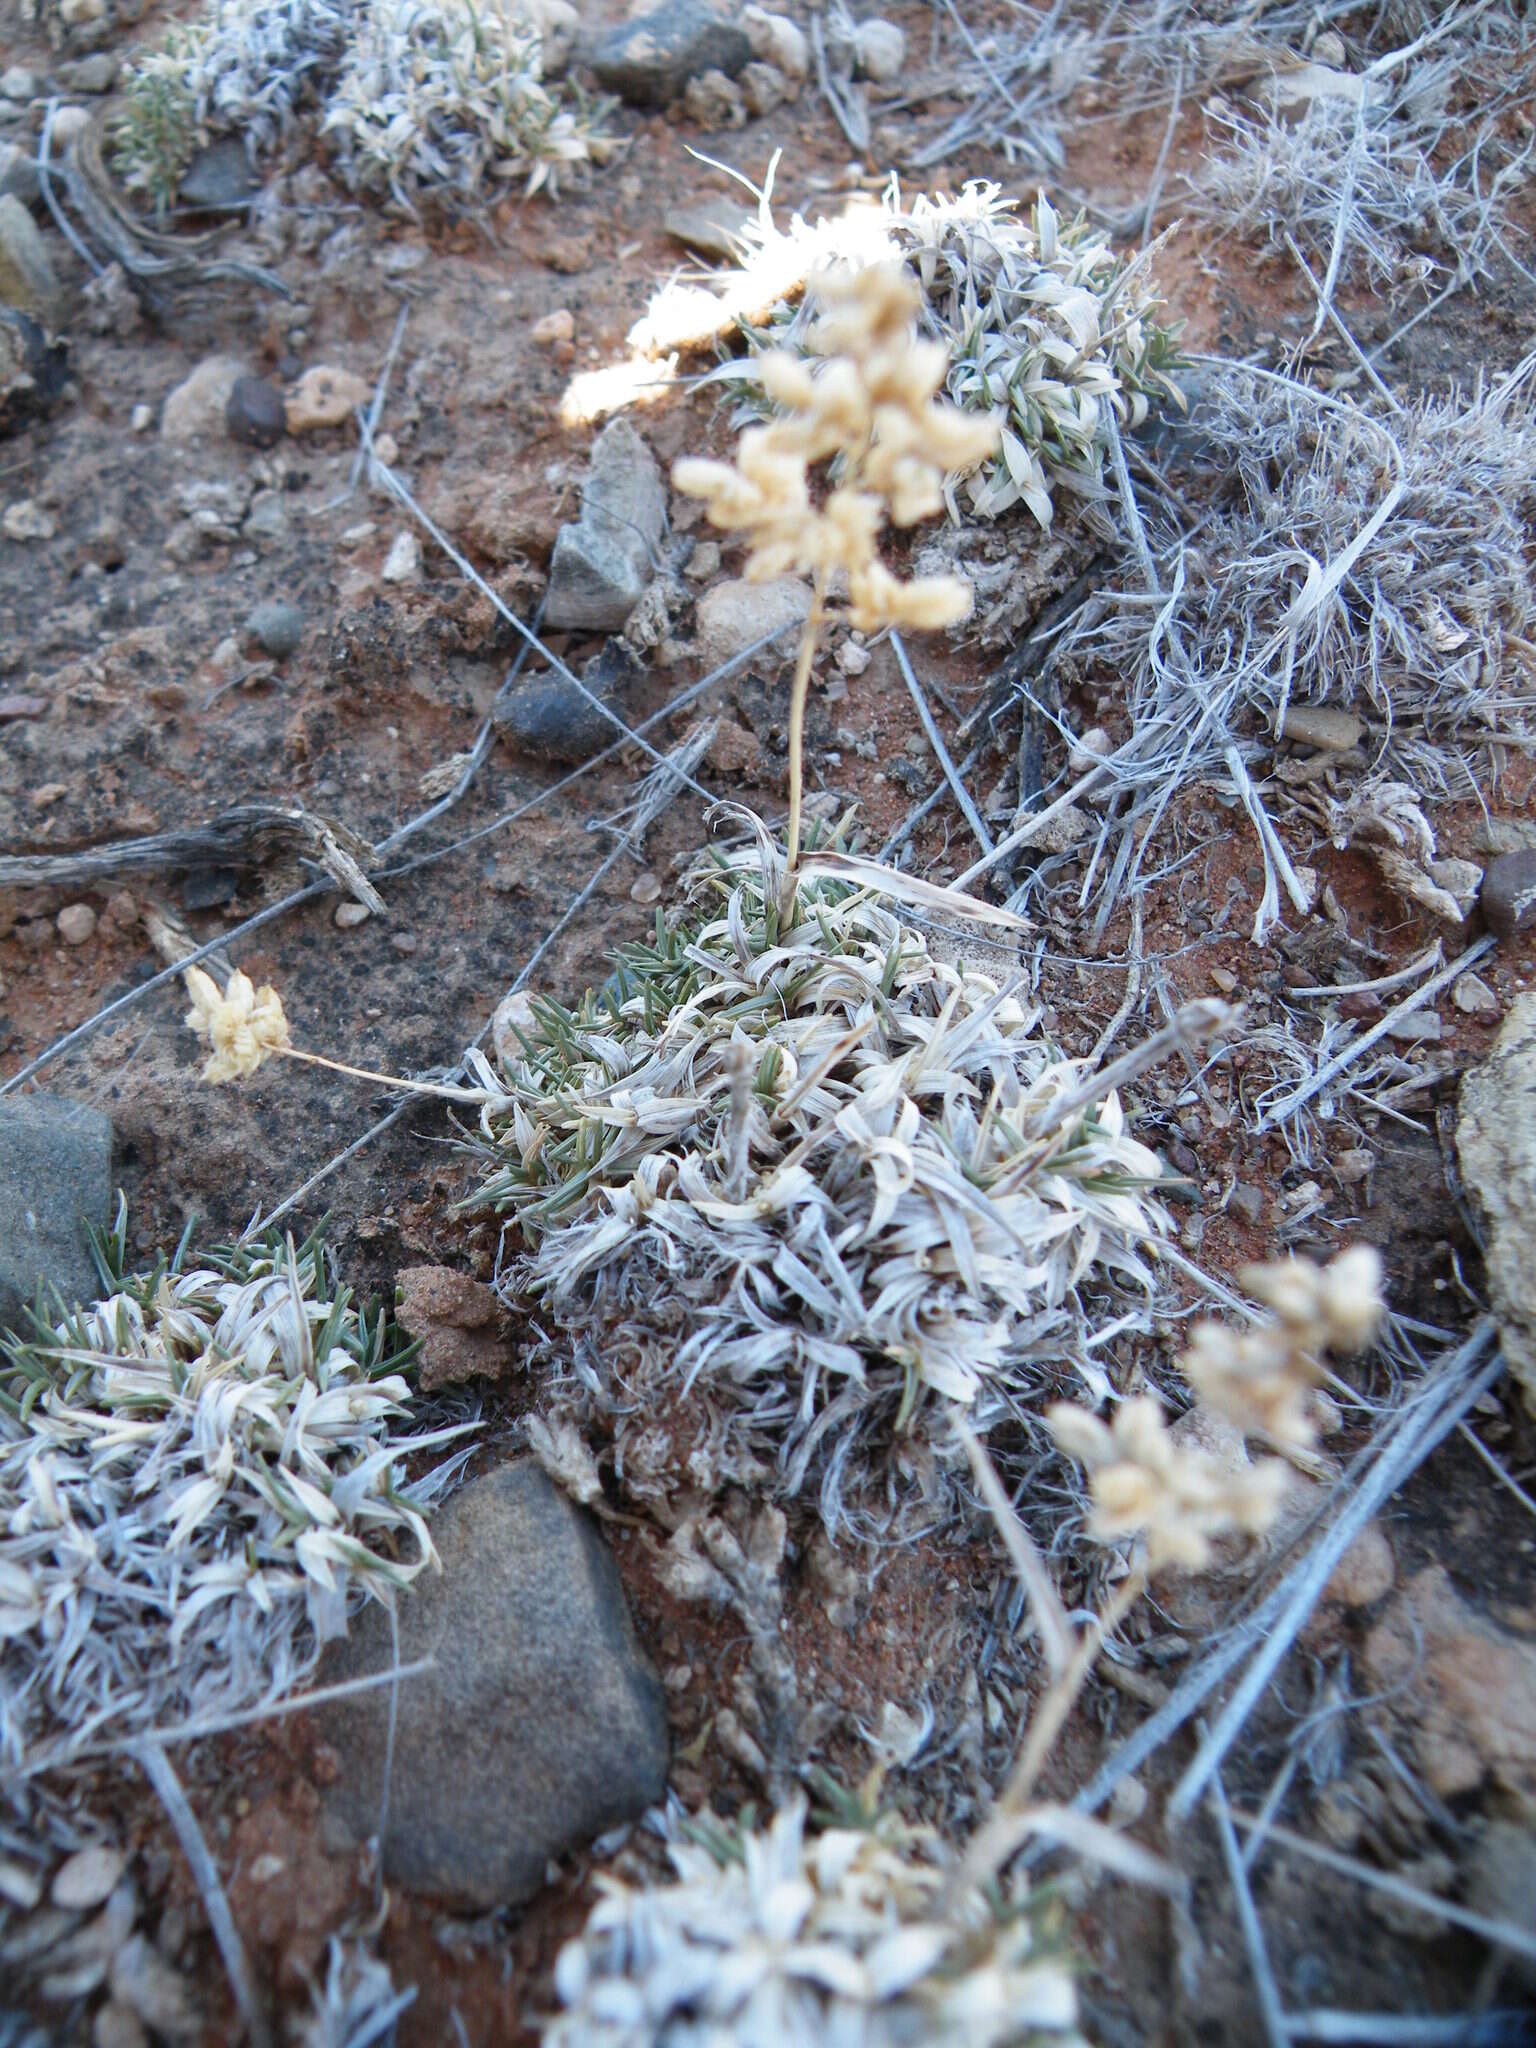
pixel 1365 1573
pixel 325 397
pixel 1467 1689
pixel 735 614
pixel 462 1326
pixel 195 409
pixel 1496 1148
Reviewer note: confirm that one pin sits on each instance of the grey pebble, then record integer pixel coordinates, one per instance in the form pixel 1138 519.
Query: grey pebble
pixel 1508 897
pixel 541 1723
pixel 276 626
pixel 549 717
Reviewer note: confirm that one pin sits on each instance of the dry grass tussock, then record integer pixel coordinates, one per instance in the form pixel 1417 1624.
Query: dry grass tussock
pixel 411 97
pixel 1044 326
pixel 790 1194
pixel 200 1474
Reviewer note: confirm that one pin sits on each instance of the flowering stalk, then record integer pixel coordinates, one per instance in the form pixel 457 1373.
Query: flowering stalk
pixel 871 409
pixel 246 1026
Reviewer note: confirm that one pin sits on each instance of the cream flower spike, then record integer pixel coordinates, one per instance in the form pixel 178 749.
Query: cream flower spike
pixel 243 1027
pixel 871 405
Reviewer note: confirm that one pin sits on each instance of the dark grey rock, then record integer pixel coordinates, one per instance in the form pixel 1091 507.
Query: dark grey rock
pixel 549 718
pixel 18 174
pixel 649 60
pixel 276 626
pixel 602 560
pixel 34 370
pixel 209 888
pixel 1508 897
pixel 219 179
pixel 541 1724
pixel 55 1176
pixel 255 413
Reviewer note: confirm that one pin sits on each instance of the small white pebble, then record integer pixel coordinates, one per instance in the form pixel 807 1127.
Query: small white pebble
pixel 1127 1803
pixel 646 888
pixel 346 915
pixel 356 535
pixel 403 563
pixel 76 923
pixel 852 659
pixel 557 326
pixel 142 419
pixel 387 449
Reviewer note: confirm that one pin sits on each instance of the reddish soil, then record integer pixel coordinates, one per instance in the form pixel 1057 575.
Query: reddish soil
pixel 144 732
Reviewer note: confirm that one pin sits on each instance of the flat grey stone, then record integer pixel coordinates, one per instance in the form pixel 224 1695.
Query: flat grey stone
pixel 603 559
pixel 219 179
pixel 541 1724
pixel 549 718
pixel 649 60
pixel 55 1176
pixel 713 229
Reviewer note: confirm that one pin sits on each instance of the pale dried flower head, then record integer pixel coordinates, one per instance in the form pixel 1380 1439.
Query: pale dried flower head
pixel 1174 1496
pixel 871 405
pixel 790 1936
pixel 870 409
pixel 242 1028
pixel 1262 1380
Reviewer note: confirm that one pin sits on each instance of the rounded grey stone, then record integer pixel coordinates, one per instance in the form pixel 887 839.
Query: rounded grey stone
pixel 650 59
pixel 541 1723
pixel 276 626
pixel 1508 897
pixel 549 718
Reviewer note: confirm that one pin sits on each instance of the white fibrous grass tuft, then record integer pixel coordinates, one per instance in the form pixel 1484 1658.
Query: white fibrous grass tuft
pixel 436 96
pixel 413 96
pixel 1360 173
pixel 788 1935
pixel 1374 562
pixel 199 1473
pixel 1177 1498
pixel 1042 324
pixel 793 1196
pixel 355 2004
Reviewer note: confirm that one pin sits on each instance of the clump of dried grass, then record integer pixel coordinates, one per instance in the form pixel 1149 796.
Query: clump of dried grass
pixel 434 96
pixel 1043 326
pixel 790 1195
pixel 843 1934
pixel 1386 556
pixel 415 96
pixel 1359 184
pixel 199 1473
pixel 1348 557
